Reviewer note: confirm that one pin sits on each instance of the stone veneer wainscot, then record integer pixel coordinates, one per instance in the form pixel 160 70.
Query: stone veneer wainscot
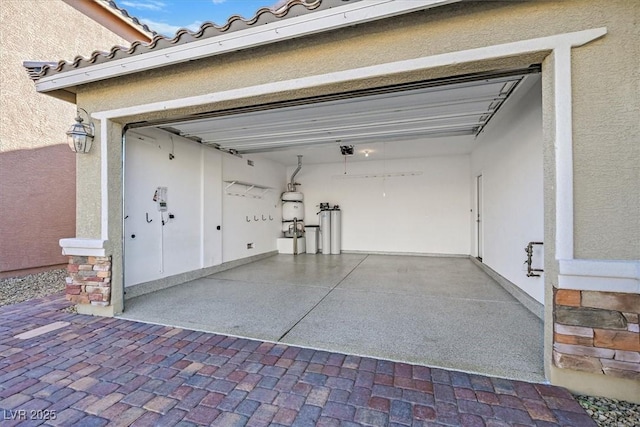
pixel 89 280
pixel 597 332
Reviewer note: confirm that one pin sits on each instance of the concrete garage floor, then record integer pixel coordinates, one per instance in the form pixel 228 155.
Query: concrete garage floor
pixel 442 312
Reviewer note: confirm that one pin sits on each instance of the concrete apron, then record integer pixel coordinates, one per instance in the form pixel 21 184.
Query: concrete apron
pixel 440 312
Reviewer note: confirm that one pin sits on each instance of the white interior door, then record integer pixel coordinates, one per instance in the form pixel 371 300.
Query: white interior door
pixel 479 219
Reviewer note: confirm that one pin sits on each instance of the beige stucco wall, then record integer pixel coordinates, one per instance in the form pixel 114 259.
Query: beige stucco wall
pixel 606 106
pixel 549 179
pixel 605 76
pixel 40 206
pixel 40 30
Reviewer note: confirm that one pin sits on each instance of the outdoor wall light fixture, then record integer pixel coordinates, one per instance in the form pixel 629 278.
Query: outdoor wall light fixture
pixel 80 135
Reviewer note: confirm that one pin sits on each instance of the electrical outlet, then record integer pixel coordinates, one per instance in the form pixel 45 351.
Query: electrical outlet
pixel 249 245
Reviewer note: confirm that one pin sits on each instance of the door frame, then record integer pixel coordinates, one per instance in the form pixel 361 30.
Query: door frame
pixel 479 217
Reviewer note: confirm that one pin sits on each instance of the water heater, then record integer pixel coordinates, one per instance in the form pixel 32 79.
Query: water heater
pixel 292 209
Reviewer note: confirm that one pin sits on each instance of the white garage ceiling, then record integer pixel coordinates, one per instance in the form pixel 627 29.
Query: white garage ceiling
pixel 431 120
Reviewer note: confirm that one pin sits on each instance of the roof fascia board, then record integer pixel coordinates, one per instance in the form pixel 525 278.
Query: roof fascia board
pixel 111 20
pixel 137 32
pixel 312 23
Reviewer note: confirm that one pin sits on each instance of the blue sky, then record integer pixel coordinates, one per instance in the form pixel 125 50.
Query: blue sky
pixel 168 16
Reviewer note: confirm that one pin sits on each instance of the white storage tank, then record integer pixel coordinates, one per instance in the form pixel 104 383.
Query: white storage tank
pixel 336 231
pixel 325 230
pixel 311 233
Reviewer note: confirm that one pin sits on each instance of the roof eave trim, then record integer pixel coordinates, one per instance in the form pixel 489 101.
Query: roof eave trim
pixel 128 20
pixel 317 22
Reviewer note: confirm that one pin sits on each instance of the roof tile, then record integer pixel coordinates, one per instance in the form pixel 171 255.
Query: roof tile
pixel 262 16
pixel 112 4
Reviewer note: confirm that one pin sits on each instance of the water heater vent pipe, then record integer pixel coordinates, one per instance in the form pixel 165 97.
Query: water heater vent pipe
pixel 292 184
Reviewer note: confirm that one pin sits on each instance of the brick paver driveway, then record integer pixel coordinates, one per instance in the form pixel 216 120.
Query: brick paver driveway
pixel 104 371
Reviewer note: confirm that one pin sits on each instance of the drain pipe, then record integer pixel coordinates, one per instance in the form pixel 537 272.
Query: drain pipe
pixel 292 184
pixel 295 235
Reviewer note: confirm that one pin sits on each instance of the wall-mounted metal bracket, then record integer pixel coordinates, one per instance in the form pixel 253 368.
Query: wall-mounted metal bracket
pixel 532 272
pixel 235 188
pixel 148 220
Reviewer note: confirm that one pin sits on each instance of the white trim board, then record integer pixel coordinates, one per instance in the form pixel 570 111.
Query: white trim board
pixel 599 275
pixel 82 247
pixel 560 45
pixel 104 180
pixel 564 152
pixel 258 35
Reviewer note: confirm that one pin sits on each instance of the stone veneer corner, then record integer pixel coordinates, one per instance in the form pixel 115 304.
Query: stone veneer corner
pixel 89 280
pixel 597 332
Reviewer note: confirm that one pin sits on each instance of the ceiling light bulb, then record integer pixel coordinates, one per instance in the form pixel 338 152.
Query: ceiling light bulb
pixel 366 154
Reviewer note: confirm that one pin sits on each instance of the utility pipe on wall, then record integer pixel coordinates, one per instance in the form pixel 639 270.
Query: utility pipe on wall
pixel 532 272
pixel 295 236
pixel 292 184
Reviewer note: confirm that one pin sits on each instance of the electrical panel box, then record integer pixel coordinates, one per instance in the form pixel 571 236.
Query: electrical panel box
pixel 160 197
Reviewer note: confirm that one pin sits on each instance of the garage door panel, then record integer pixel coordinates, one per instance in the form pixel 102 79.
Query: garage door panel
pixel 439 110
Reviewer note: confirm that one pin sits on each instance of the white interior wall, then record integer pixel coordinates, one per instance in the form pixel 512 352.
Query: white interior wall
pixel 198 199
pixel 211 191
pixel 189 241
pixel 425 213
pixel 264 214
pixel 509 157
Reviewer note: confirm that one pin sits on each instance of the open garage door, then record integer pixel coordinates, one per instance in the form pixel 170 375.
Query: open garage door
pixel 460 106
pixel 410 187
